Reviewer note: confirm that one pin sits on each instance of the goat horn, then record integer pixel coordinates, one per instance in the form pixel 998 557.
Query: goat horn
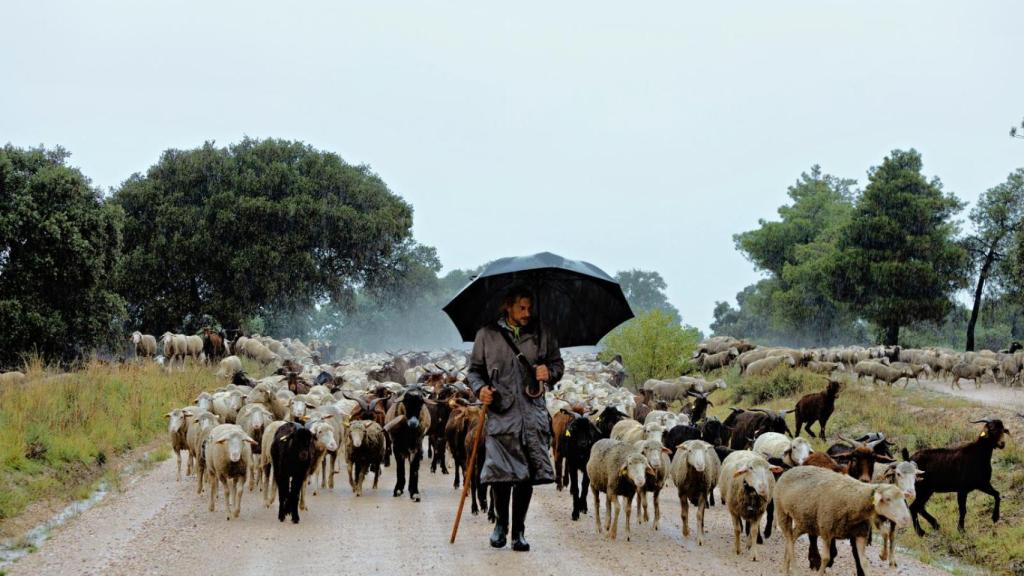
pixel 395 422
pixel 853 443
pixel 982 421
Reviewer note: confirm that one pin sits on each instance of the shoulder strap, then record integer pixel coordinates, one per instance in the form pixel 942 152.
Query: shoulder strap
pixel 533 389
pixel 515 350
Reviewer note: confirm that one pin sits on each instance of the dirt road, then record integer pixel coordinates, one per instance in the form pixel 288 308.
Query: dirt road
pixel 158 526
pixel 989 394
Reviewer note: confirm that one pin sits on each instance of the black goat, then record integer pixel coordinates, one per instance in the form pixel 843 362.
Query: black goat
pixel 961 469
pixel 292 453
pixel 607 420
pixel 407 422
pixel 580 437
pixel 817 407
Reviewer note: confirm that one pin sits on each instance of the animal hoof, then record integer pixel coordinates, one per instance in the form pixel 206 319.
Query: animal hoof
pixel 415 497
pixel 398 493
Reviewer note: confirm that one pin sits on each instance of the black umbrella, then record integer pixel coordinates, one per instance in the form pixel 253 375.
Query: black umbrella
pixel 575 301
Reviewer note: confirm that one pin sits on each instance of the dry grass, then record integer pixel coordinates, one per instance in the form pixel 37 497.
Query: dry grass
pixel 58 430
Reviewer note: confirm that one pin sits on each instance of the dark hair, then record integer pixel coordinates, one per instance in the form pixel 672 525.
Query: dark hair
pixel 514 293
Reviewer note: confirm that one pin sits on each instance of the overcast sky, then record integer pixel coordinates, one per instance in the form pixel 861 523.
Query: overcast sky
pixel 631 135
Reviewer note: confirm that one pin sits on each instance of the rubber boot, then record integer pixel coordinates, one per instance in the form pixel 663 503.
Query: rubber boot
pixel 520 505
pixel 500 494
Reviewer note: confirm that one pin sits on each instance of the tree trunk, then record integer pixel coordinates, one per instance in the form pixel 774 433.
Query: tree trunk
pixel 990 257
pixel 892 335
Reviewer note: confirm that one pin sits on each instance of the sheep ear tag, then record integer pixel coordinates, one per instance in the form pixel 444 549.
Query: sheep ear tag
pixel 567 434
pixel 983 434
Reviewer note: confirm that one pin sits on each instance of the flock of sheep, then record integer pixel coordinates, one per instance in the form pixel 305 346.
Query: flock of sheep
pixel 290 427
pixel 878 363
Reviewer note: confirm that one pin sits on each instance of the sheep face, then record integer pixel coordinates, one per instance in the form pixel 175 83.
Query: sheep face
pixel 799 450
pixel 234 444
pixel 324 436
pixel 136 337
pixel 635 469
pixel 904 476
pixel 205 401
pixel 653 431
pixel 696 458
pixel 889 503
pixel 357 432
pixel 298 408
pixel 206 421
pixel 175 420
pixel 755 479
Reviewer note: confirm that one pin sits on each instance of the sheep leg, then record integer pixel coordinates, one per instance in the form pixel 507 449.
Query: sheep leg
pixel 613 529
pixel 736 528
pixel 786 526
pixel 376 474
pixel 657 507
pixel 825 560
pixel 351 479
pixel 702 505
pixel 629 506
pixel 213 492
pixel 640 497
pixel 752 531
pixel 188 469
pixel 813 555
pixel 271 487
pixel 857 549
pixel 684 513
pixel 302 495
pixel 239 489
pixel 597 508
pixel 584 485
pixel 177 455
pixel 608 513
pixel 228 489
pixel 574 491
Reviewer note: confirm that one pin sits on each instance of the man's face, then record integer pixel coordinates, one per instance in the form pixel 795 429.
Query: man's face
pixel 519 312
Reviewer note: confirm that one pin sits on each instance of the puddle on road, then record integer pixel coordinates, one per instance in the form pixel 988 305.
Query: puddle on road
pixel 13 550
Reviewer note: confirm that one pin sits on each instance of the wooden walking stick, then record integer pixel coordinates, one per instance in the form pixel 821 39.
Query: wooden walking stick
pixel 466 478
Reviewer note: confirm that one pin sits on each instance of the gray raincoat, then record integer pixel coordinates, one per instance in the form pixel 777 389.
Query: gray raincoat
pixel 518 429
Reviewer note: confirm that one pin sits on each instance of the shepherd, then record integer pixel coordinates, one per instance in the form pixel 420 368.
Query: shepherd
pixel 517 311
pixel 518 429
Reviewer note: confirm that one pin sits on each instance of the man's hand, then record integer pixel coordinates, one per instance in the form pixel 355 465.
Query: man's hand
pixel 542 373
pixel 486 395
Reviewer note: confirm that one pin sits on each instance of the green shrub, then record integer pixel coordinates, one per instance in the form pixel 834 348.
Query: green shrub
pixel 780 383
pixel 652 345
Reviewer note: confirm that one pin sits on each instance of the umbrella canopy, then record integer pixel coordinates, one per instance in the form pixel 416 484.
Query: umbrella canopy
pixel 577 302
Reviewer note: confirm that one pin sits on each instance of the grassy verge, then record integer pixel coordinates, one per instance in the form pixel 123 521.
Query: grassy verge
pixel 916 419
pixel 58 431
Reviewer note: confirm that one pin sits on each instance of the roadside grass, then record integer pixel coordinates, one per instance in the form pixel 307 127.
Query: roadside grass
pixel 58 430
pixel 914 418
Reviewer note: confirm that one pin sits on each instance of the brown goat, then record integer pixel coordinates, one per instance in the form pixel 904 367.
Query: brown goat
pixel 817 407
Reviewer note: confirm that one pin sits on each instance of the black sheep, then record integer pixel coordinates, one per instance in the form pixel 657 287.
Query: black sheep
pixel 407 437
pixel 754 422
pixel 292 455
pixel 961 469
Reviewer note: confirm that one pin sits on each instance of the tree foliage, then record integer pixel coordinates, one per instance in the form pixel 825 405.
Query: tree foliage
pixel 997 217
pixel 59 243
pixel 262 227
pixel 898 261
pixel 794 304
pixel 645 290
pixel 652 345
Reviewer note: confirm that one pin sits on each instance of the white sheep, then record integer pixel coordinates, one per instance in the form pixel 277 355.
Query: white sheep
pixel 830 506
pixel 228 454
pixel 177 428
pixel 746 484
pixel 145 344
pixel 792 451
pixel 229 366
pixel 618 469
pixel 695 469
